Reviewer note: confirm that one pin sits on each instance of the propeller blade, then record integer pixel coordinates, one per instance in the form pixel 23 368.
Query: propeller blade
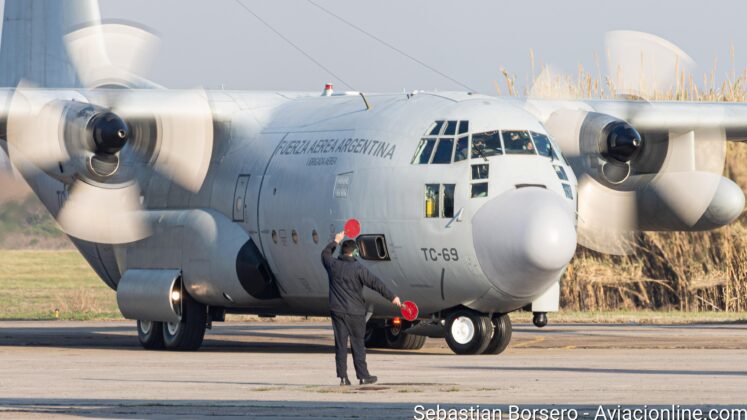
pixel 607 218
pixel 35 133
pixel 642 65
pixel 184 127
pixel 102 214
pixel 111 54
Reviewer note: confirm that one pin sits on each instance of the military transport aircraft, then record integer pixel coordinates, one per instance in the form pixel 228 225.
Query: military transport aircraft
pixel 191 204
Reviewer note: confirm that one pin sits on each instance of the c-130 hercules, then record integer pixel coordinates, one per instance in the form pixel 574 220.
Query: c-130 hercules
pixel 194 204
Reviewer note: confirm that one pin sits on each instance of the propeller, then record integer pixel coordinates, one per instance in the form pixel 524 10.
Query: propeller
pixel 645 66
pixel 96 141
pixel 629 181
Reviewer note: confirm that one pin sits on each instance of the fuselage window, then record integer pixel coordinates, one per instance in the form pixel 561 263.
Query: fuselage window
pixel 444 151
pixel 461 149
pixel 544 147
pixel 561 173
pixel 568 191
pixel 432 199
pixel 486 144
pixel 479 189
pixel 518 142
pixel 424 151
pixel 480 171
pixel 448 200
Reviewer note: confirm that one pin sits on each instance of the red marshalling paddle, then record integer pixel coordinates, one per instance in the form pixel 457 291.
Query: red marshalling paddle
pixel 409 310
pixel 352 228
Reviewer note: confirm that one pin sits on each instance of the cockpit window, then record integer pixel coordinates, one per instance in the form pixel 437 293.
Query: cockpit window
pixel 518 142
pixel 436 130
pixel 444 151
pixel 486 144
pixel 450 128
pixel 424 151
pixel 544 147
pixel 463 127
pixel 461 149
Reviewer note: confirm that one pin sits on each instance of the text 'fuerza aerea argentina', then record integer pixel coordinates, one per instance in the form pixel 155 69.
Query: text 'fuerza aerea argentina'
pixel 369 147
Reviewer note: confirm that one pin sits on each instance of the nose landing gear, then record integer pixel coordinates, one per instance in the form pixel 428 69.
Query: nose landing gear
pixel 539 319
pixel 471 332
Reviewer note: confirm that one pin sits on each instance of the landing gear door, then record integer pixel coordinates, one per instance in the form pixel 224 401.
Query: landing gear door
pixel 239 198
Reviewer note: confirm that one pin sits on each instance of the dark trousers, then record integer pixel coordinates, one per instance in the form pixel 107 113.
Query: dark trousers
pixel 353 326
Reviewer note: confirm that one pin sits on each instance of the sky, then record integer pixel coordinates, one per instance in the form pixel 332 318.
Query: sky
pixel 218 44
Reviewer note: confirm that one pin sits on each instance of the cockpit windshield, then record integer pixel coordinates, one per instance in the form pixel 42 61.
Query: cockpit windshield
pixel 448 142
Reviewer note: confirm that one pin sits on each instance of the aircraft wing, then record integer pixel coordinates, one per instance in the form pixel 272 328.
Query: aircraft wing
pixel 657 116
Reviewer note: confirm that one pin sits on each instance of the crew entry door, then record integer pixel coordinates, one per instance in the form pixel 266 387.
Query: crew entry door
pixel 239 198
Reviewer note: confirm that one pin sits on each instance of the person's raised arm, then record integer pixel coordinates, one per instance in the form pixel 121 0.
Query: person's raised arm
pixel 374 283
pixel 327 258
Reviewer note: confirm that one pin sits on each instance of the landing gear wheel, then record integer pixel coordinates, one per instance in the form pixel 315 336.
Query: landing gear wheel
pixel 501 335
pixel 468 332
pixel 374 337
pixel 396 339
pixel 150 335
pixel 187 334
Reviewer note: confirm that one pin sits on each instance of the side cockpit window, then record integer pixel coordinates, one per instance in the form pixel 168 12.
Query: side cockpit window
pixel 544 146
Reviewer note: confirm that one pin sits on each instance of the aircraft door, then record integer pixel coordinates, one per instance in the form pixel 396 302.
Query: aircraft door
pixel 239 198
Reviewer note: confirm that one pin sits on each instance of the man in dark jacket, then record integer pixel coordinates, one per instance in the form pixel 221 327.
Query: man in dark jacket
pixel 347 277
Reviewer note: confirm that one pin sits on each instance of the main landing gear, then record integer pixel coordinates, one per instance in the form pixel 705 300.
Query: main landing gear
pixel 392 336
pixel 185 335
pixel 471 332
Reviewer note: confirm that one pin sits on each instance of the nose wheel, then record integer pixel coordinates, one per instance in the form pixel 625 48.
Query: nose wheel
pixel 468 332
pixel 501 334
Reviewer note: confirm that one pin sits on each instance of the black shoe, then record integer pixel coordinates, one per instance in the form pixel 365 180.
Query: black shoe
pixel 344 381
pixel 369 380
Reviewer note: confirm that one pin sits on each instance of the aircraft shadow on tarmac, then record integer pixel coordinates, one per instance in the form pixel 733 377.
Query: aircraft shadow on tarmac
pixel 256 409
pixel 604 370
pixel 239 339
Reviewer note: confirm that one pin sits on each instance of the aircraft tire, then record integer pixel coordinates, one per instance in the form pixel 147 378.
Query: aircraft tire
pixel 468 332
pixel 150 334
pixel 502 330
pixel 396 339
pixel 374 337
pixel 187 334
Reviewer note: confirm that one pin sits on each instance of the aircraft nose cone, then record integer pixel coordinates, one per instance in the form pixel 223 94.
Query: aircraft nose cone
pixel 524 239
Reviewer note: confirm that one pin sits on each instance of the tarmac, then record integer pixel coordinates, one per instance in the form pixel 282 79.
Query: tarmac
pixel 286 370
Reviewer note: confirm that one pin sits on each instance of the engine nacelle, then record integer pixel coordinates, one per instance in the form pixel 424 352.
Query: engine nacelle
pixel 630 182
pixel 219 262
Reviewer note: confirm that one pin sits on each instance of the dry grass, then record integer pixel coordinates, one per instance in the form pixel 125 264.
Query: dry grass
pixel 703 271
pixel 51 285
